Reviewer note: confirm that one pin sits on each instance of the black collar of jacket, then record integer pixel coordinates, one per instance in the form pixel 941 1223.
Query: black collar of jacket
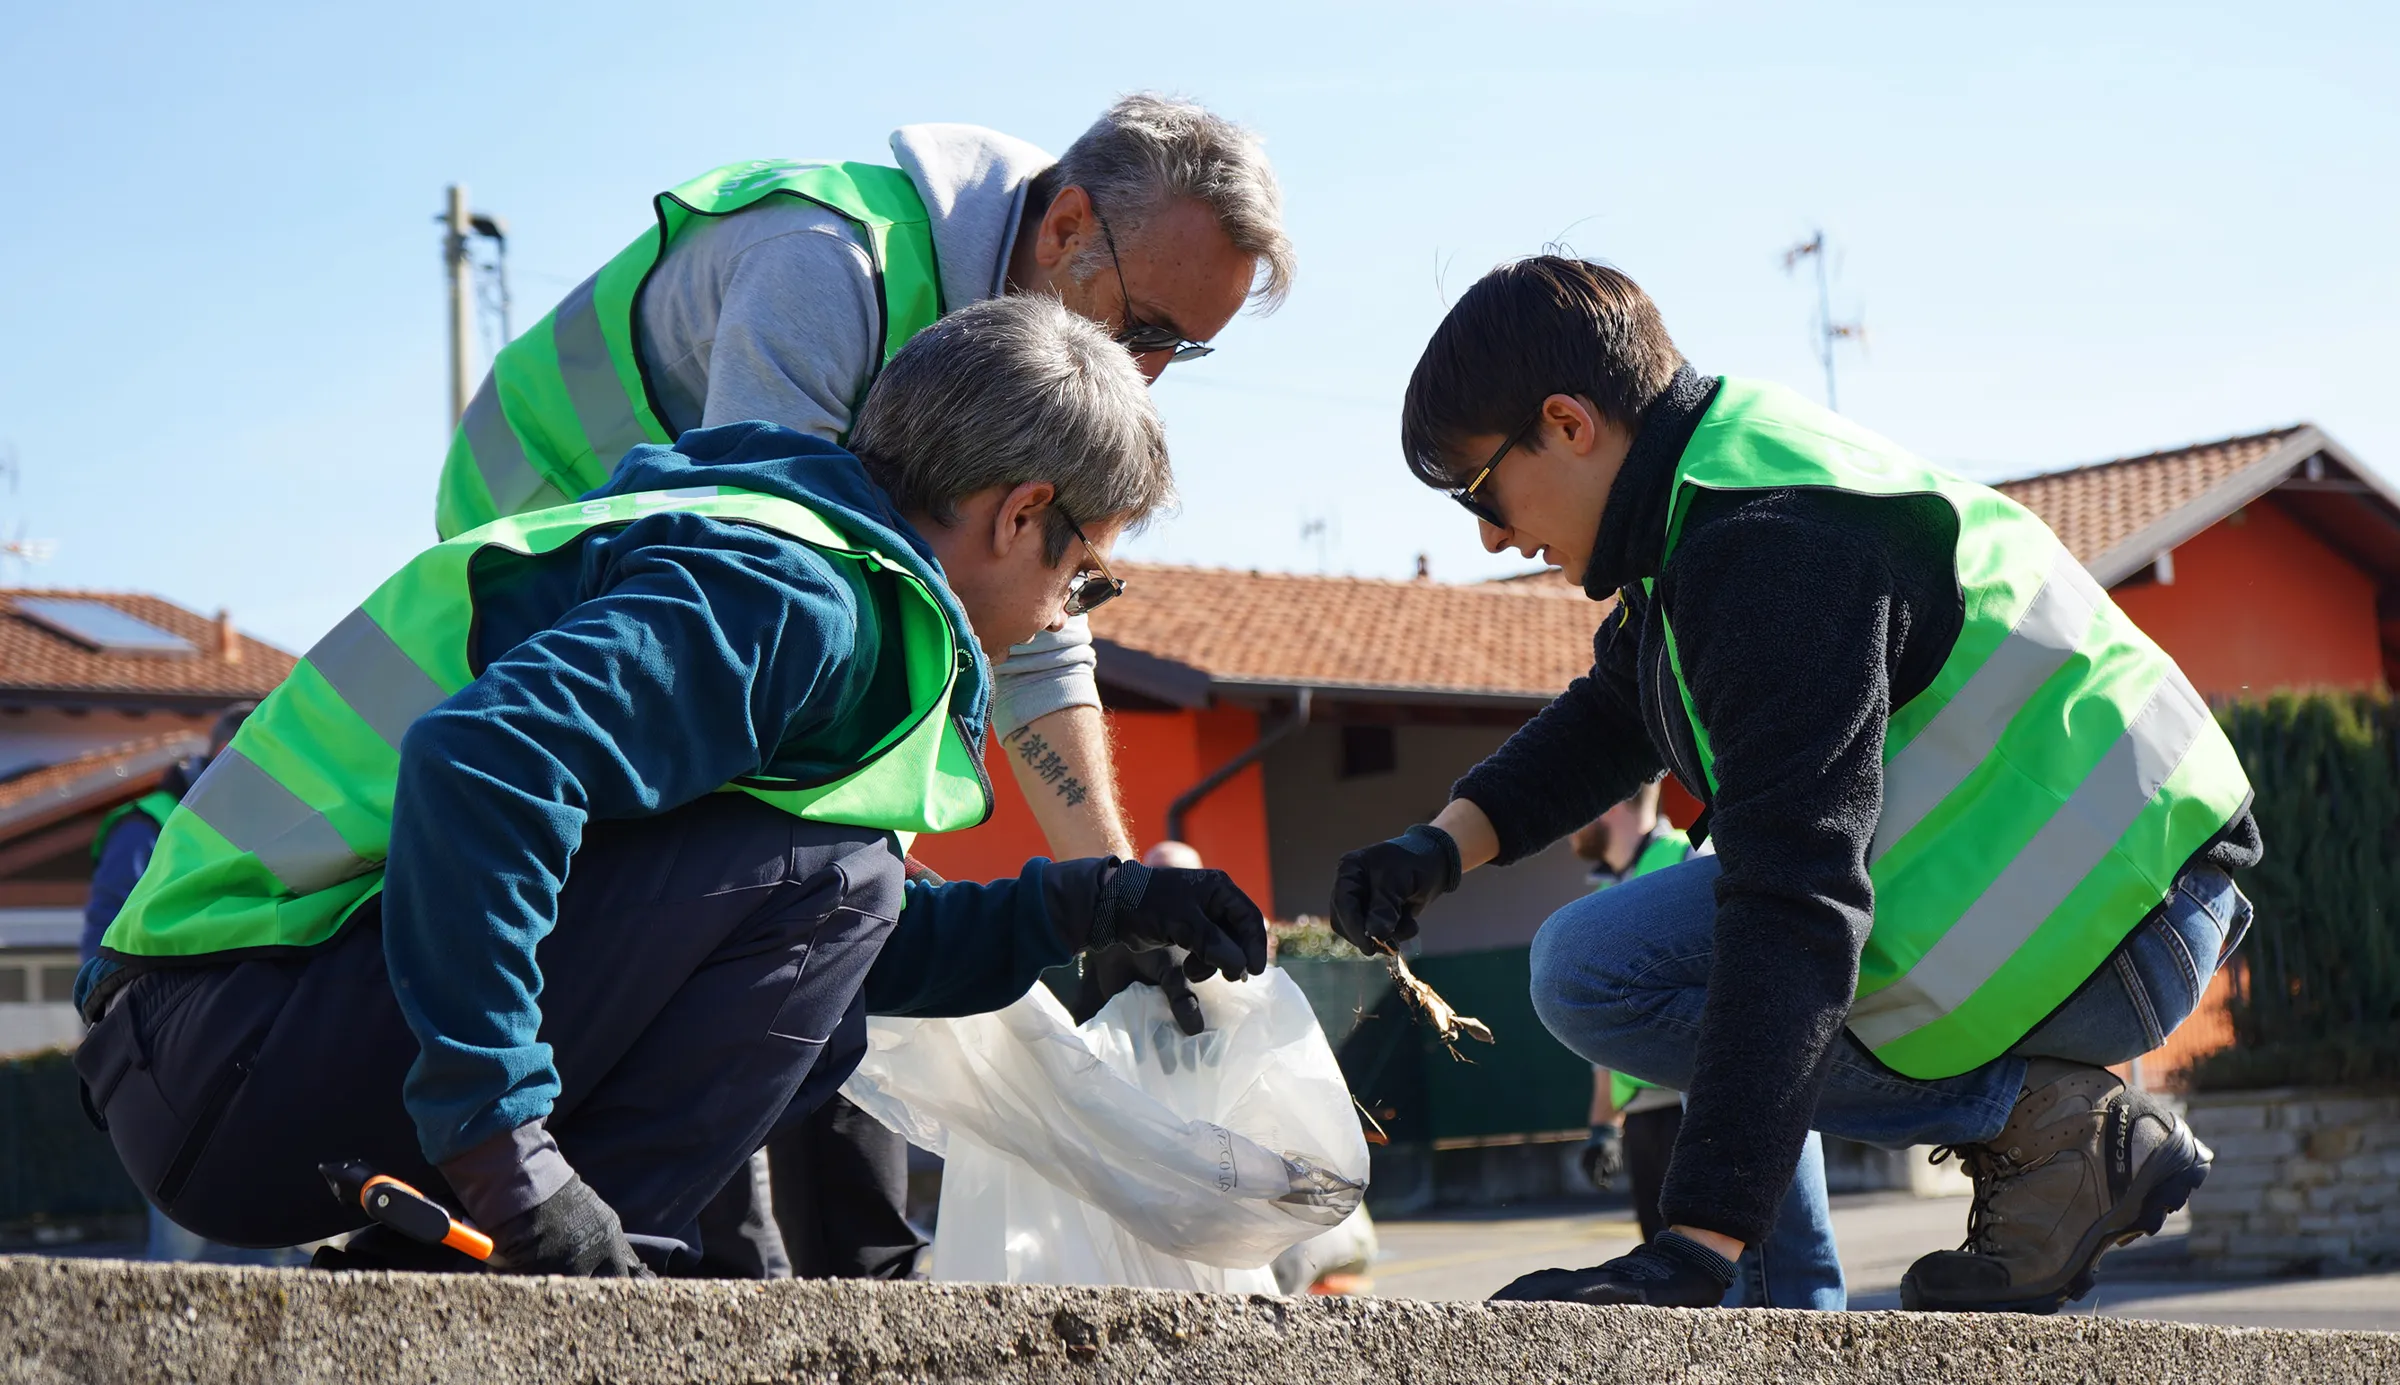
pixel 1633 526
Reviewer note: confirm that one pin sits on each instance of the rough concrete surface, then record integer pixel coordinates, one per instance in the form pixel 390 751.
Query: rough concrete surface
pixel 109 1321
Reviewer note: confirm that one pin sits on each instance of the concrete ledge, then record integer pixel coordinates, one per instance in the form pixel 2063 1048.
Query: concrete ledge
pixel 105 1321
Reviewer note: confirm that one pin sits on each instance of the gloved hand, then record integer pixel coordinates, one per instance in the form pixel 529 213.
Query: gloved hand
pixel 1379 890
pixel 1603 1156
pixel 1112 969
pixel 1101 902
pixel 570 1232
pixel 1671 1271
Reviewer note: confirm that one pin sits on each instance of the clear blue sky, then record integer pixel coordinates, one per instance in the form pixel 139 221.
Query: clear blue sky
pixel 2074 232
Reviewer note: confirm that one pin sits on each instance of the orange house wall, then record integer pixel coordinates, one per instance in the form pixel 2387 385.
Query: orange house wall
pixel 2260 603
pixel 1158 756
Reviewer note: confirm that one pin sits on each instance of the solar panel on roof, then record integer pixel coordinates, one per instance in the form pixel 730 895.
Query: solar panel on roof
pixel 100 626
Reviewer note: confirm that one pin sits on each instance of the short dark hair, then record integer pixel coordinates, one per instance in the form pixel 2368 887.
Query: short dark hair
pixel 1540 326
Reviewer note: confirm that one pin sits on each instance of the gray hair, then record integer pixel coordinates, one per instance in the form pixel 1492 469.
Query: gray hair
pixel 1011 390
pixel 1149 150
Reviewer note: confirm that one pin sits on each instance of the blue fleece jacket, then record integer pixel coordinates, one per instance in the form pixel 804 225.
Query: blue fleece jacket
pixel 625 676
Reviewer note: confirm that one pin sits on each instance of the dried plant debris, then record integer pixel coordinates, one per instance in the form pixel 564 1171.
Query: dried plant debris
pixel 1448 1024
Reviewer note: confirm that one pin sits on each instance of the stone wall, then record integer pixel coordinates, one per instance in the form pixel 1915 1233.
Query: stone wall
pixel 86 1322
pixel 2307 1181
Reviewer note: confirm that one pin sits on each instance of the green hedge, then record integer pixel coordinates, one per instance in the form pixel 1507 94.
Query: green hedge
pixel 54 1166
pixel 2316 987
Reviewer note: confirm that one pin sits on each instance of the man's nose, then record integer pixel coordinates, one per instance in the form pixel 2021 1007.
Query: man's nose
pixel 1494 537
pixel 1152 364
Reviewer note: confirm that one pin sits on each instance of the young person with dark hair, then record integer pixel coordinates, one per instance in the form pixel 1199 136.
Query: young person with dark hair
pixel 1973 828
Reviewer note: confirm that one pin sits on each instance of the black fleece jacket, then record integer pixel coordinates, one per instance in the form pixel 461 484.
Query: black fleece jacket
pixel 1803 618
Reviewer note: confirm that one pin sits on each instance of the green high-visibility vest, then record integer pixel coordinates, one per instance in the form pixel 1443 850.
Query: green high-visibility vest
pixel 2039 797
pixel 155 805
pixel 285 833
pixel 566 401
pixel 1668 846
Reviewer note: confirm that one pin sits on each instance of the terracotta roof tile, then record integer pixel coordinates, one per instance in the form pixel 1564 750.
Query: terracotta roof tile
pixel 2094 508
pixel 36 658
pixel 1485 638
pixel 1542 581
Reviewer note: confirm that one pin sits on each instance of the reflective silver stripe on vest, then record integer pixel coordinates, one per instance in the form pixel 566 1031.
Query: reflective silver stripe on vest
pixel 292 840
pixel 507 474
pixel 383 685
pixel 2075 839
pixel 1963 734
pixel 601 404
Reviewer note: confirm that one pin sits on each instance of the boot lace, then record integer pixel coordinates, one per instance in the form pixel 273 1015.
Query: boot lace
pixel 1991 1171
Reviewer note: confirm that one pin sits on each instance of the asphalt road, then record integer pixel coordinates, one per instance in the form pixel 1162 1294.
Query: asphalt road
pixel 1468 1255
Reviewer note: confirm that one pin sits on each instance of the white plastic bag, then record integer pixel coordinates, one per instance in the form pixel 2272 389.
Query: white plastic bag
pixel 1124 1152
pixel 1349 1248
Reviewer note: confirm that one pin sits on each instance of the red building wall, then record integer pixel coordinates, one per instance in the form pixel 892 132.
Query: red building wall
pixel 1159 755
pixel 2260 603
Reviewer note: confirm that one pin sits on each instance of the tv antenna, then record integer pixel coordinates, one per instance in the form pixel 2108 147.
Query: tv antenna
pixel 1320 529
pixel 18 549
pixel 1828 332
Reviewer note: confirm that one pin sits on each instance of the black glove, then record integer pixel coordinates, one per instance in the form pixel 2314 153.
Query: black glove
pixel 1671 1271
pixel 1379 889
pixel 1603 1156
pixel 1105 901
pixel 1112 969
pixel 570 1232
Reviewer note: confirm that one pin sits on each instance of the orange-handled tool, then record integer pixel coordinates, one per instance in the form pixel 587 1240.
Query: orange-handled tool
pixel 403 1208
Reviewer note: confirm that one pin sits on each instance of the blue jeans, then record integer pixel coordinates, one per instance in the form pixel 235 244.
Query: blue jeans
pixel 1796 1266
pixel 1620 978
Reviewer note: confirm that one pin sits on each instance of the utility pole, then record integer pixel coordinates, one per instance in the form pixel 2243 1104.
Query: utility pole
pixel 1828 331
pixel 463 226
pixel 454 254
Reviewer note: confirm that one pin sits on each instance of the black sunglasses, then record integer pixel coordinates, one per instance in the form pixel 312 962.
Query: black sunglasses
pixel 1139 337
pixel 1465 495
pixel 1086 591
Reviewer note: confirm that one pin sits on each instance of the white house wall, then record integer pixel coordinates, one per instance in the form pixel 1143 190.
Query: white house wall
pixel 1314 815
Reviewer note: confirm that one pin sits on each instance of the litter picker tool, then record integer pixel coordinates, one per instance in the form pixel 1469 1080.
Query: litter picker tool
pixel 402 1208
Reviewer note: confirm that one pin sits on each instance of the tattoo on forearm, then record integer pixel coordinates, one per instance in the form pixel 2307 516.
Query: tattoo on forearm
pixel 1047 764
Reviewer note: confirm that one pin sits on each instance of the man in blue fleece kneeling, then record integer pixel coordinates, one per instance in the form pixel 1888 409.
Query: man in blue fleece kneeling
pixel 571 860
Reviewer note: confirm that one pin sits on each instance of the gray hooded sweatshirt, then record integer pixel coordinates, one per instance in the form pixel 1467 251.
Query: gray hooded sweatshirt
pixel 770 314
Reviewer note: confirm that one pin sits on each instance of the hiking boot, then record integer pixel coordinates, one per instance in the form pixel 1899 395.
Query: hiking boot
pixel 2084 1165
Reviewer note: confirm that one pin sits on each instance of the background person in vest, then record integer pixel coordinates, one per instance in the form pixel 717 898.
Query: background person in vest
pixel 1630 1135
pixel 1973 828
pixel 577 981
pixel 781 303
pixel 122 846
pixel 121 851
pixel 1635 1123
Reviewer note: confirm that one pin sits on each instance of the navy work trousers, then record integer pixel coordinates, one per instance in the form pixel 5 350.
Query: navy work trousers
pixel 703 978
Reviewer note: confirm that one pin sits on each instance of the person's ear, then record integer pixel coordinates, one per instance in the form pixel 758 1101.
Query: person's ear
pixel 1066 225
pixel 1570 422
pixel 1021 516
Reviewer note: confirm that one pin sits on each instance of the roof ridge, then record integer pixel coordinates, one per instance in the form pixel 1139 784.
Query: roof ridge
pixel 1480 585
pixel 95 591
pixel 2160 454
pixel 100 755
